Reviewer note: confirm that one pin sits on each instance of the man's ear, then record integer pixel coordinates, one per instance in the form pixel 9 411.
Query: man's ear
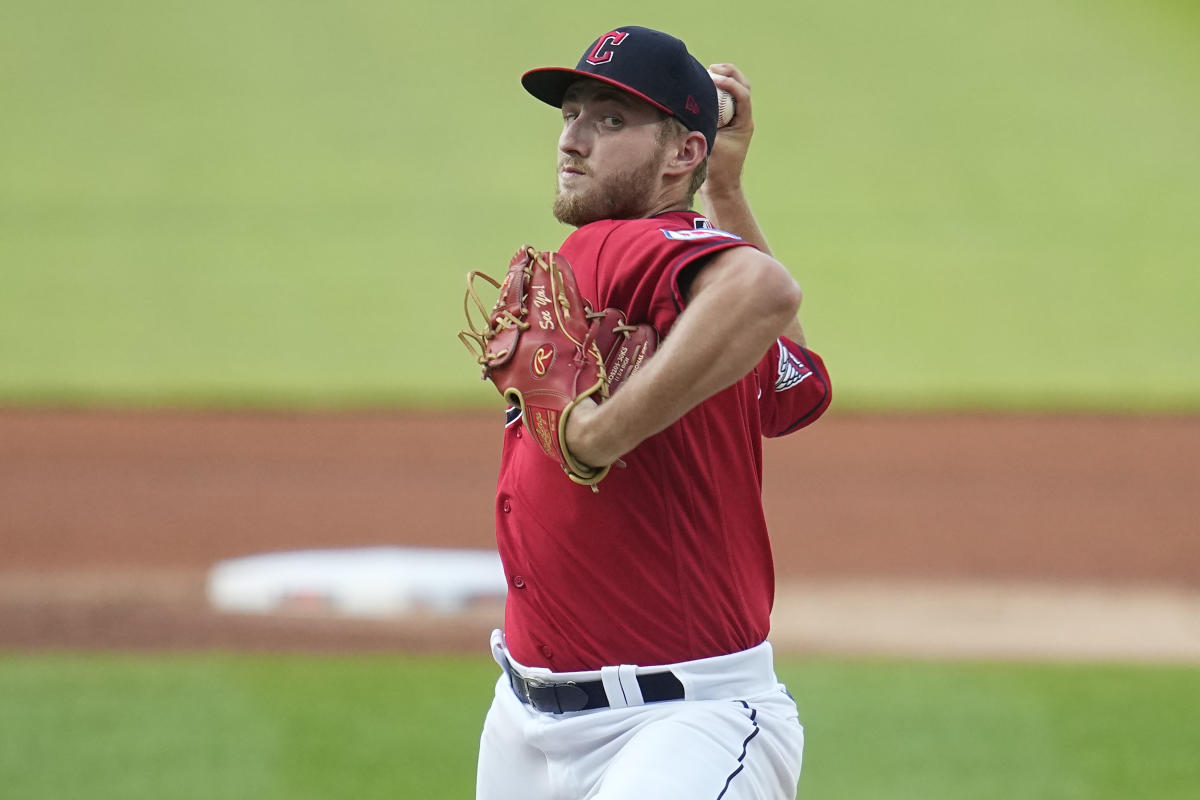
pixel 687 153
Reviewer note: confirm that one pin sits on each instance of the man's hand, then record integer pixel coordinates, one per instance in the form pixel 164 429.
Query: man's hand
pixel 728 156
pixel 538 346
pixel 724 201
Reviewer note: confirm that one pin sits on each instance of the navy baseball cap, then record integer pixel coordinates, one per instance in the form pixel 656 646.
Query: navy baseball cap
pixel 649 64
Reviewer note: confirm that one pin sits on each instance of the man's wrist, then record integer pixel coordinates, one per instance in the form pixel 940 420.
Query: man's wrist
pixel 724 204
pixel 578 435
pixel 722 194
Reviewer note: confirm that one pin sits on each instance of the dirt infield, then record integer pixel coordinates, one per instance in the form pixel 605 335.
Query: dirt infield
pixel 110 520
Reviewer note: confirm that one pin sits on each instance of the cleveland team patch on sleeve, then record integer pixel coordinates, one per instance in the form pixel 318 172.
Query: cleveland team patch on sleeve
pixel 699 235
pixel 790 371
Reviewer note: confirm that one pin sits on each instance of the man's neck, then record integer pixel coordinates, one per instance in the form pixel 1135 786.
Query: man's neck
pixel 666 207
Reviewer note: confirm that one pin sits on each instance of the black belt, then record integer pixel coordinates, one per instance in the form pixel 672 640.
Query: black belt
pixel 556 698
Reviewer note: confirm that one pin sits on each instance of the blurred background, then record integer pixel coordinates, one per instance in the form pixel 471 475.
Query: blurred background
pixel 988 204
pixel 233 241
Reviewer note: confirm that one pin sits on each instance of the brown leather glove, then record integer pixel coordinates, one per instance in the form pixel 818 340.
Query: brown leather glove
pixel 546 351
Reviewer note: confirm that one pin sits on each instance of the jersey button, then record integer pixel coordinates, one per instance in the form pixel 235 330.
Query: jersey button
pixel 507 506
pixel 519 581
pixel 547 652
pixel 518 433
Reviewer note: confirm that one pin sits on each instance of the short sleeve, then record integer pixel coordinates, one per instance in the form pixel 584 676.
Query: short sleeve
pixel 642 266
pixel 794 388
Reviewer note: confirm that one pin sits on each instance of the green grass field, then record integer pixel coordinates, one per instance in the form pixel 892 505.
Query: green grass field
pixel 126 727
pixel 989 204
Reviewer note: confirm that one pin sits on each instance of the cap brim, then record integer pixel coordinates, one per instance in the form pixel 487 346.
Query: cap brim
pixel 549 84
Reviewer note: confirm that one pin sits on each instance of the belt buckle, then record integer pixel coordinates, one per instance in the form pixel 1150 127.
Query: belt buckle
pixel 539 683
pixel 530 683
pixel 526 685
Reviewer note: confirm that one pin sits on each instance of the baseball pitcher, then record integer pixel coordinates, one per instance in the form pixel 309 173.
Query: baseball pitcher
pixel 642 362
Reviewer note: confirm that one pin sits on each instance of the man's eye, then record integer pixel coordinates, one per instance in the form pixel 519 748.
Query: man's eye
pixel 569 115
pixel 613 121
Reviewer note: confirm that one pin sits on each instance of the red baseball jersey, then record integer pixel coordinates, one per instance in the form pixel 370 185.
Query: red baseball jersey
pixel 670 560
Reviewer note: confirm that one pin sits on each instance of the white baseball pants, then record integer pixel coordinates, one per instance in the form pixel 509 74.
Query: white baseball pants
pixel 735 736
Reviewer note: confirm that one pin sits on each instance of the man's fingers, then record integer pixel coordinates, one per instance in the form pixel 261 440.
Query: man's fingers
pixel 731 79
pixel 731 71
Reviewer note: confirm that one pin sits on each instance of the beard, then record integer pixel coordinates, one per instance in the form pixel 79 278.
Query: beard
pixel 624 195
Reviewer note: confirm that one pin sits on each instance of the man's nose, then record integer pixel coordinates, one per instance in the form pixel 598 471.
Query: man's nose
pixel 574 138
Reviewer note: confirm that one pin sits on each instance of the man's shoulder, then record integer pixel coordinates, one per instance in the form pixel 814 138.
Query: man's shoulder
pixel 645 247
pixel 663 230
pixel 675 226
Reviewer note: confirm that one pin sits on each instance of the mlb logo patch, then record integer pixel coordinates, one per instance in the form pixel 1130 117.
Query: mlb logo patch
pixel 791 371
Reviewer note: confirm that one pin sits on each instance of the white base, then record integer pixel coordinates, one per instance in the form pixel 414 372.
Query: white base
pixel 366 582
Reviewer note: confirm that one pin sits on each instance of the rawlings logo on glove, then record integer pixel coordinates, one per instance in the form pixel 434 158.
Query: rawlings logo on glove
pixel 546 351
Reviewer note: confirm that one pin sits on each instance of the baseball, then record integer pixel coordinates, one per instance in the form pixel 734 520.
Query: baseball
pixel 725 109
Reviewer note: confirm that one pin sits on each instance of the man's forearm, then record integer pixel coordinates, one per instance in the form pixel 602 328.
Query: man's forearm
pixel 719 338
pixel 730 211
